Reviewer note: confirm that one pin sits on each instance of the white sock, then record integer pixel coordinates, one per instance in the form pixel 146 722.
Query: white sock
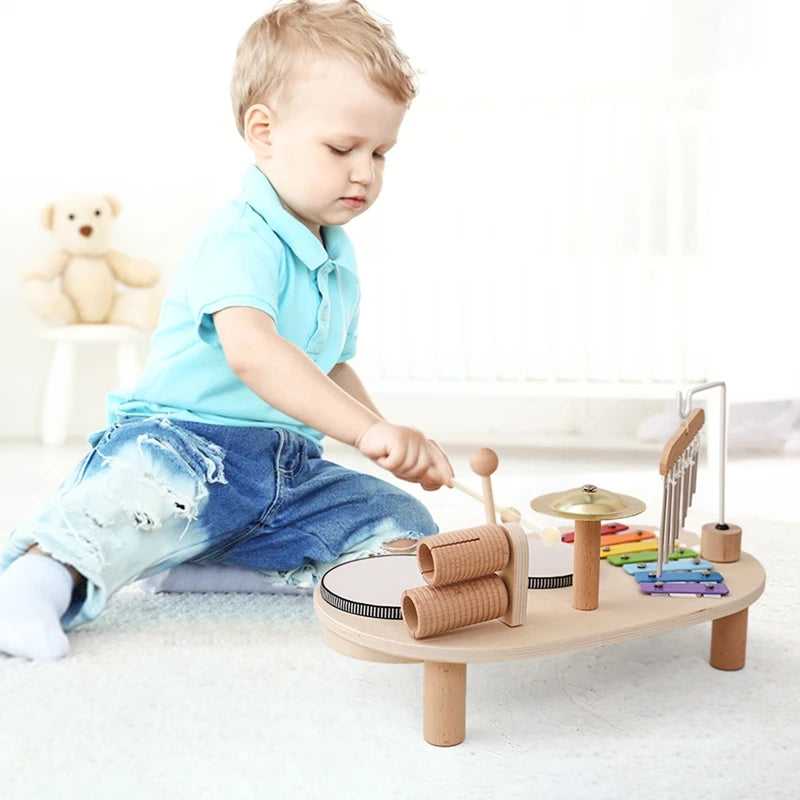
pixel 35 591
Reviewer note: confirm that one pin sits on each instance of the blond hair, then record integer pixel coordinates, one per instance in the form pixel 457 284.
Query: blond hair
pixel 300 30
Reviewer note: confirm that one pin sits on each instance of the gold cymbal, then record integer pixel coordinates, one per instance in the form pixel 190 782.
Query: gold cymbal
pixel 588 502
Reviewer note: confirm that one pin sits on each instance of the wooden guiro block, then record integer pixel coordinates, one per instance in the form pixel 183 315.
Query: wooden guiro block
pixel 460 555
pixel 428 610
pixel 473 575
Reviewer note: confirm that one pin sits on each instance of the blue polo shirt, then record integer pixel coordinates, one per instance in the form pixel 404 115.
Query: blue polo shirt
pixel 250 253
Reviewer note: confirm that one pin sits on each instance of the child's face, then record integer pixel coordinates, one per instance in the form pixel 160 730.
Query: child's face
pixel 325 147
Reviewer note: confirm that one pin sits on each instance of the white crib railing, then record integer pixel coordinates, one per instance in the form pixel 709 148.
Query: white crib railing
pixel 545 245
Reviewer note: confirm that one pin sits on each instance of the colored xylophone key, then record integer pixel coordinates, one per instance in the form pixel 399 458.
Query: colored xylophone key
pixel 608 529
pixel 649 545
pixel 688 589
pixel 703 576
pixel 637 535
pixel 624 538
pixel 690 564
pixel 649 556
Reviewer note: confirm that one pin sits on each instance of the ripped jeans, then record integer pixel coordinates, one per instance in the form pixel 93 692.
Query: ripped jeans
pixel 153 493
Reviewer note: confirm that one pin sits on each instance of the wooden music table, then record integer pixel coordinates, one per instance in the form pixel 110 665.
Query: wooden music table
pixel 552 626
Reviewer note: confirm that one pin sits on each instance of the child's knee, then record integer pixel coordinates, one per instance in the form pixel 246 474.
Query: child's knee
pixel 418 519
pixel 408 521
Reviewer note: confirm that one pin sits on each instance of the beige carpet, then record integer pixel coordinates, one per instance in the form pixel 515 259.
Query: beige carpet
pixel 237 696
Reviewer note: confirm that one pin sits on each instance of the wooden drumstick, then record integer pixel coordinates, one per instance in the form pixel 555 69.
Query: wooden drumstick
pixel 477 496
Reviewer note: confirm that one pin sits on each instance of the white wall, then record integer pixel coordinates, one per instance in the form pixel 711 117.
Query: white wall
pixel 131 99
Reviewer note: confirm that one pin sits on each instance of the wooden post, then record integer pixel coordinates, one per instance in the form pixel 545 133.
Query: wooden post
pixel 444 703
pixel 586 565
pixel 729 641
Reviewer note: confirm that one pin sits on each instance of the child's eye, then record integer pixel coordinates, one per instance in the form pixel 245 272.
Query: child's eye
pixel 380 156
pixel 339 151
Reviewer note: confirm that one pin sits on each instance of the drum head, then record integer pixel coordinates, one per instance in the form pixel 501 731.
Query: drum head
pixel 549 567
pixel 373 586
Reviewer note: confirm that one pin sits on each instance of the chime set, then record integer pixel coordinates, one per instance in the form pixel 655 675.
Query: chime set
pixel 674 570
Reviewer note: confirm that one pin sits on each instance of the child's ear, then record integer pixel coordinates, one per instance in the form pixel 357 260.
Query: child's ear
pixel 258 129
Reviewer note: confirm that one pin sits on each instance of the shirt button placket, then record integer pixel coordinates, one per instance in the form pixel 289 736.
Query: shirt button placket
pixel 324 310
pixel 325 303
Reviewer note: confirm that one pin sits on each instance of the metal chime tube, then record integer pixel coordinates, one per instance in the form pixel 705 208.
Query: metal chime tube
pixel 680 484
pixel 666 527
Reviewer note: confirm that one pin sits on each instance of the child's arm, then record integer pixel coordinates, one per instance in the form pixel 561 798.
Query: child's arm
pixel 283 376
pixel 344 376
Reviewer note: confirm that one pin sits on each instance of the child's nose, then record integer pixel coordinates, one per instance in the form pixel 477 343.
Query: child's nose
pixel 363 171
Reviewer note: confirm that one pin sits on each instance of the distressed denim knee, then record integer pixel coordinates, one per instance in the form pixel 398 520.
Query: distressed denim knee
pixel 127 510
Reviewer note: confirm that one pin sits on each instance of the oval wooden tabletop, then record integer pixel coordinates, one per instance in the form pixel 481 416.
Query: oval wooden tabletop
pixel 552 626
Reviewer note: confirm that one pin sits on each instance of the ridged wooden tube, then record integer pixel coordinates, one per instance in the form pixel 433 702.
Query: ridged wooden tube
pixel 428 610
pixel 461 555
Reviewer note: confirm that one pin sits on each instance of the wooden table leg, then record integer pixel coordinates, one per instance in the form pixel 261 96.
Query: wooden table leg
pixel 586 565
pixel 444 703
pixel 729 641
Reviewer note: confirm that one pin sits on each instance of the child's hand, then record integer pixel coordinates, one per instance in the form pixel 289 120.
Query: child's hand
pixel 407 454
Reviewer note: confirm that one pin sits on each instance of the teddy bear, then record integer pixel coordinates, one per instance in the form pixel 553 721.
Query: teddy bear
pixel 85 281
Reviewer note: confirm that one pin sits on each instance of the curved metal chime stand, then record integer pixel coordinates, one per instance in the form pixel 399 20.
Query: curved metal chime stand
pixel 719 541
pixel 685 406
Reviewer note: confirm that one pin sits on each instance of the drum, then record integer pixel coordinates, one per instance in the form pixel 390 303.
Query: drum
pixel 372 587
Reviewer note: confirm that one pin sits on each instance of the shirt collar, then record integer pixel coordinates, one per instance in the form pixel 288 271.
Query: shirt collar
pixel 259 194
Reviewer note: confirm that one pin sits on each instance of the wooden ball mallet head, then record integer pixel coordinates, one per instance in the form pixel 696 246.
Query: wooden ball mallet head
pixel 484 463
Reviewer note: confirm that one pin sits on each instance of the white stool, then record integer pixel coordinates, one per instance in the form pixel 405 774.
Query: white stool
pixel 59 393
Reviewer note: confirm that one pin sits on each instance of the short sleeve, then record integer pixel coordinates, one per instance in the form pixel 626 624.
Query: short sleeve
pixel 232 269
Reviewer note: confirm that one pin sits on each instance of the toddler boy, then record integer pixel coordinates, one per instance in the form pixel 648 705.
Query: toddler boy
pixel 214 457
